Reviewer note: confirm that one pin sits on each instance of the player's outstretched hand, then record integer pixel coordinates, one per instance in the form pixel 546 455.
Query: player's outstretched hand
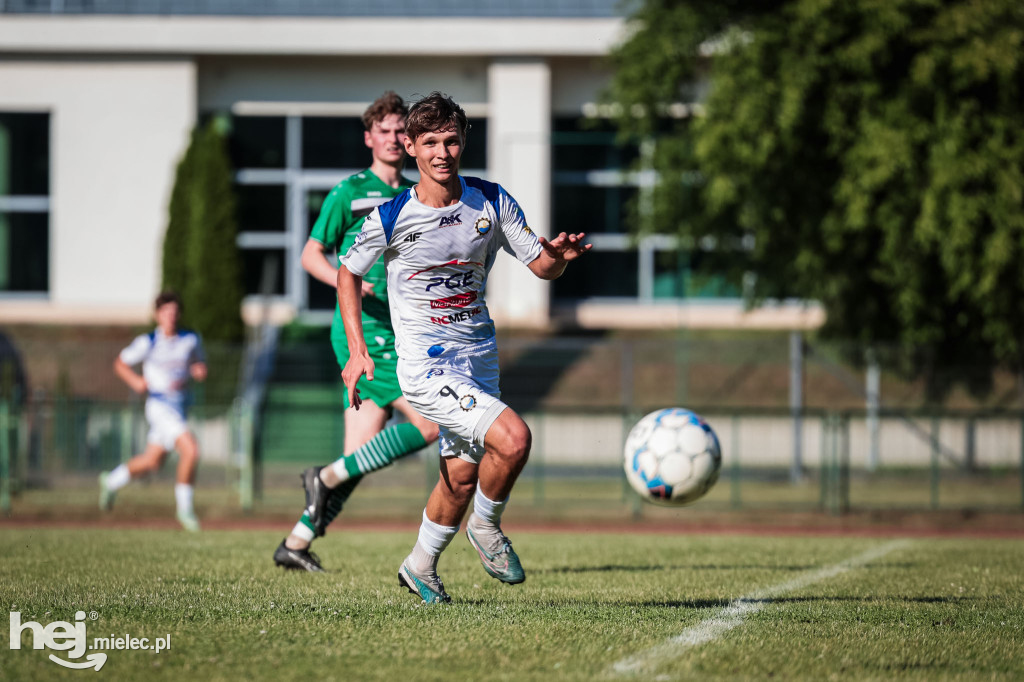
pixel 198 371
pixel 565 247
pixel 357 366
pixel 368 289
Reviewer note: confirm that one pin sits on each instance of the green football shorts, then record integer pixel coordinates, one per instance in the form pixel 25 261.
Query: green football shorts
pixel 384 388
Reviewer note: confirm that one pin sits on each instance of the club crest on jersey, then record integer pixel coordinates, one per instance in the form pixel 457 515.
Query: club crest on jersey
pixel 450 220
pixel 483 225
pixel 527 230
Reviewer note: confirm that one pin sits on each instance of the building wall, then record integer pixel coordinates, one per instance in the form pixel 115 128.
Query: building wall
pixel 333 85
pixel 117 129
pixel 123 92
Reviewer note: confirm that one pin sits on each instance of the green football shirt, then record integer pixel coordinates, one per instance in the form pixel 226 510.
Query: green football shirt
pixel 341 219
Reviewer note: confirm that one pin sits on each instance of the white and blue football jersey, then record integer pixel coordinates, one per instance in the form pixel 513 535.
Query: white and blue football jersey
pixel 165 363
pixel 437 261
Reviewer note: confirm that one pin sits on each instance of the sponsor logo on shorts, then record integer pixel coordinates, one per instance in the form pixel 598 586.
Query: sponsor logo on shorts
pixel 435 373
pixel 466 402
pixel 461 316
pixel 483 225
pixel 450 220
pixel 456 301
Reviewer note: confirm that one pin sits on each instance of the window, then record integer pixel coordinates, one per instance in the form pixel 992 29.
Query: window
pixel 284 167
pixel 595 181
pixel 24 203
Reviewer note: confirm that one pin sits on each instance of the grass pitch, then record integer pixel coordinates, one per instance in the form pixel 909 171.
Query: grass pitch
pixel 594 606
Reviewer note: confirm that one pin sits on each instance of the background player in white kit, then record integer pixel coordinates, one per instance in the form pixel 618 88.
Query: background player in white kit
pixel 170 357
pixel 439 240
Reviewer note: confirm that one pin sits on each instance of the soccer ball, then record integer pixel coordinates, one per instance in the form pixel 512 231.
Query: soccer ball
pixel 672 457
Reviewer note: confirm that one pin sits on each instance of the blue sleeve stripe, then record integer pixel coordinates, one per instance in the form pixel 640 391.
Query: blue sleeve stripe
pixel 490 190
pixel 389 213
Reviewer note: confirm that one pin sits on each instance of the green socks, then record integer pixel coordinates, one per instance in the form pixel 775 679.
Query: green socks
pixel 390 444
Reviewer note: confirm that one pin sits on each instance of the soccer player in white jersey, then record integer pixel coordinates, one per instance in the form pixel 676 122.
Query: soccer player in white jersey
pixel 170 357
pixel 439 240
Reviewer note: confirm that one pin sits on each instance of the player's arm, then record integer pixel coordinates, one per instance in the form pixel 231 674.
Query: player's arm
pixel 369 245
pixel 198 371
pixel 314 261
pixel 350 304
pixel 197 361
pixel 557 253
pixel 135 381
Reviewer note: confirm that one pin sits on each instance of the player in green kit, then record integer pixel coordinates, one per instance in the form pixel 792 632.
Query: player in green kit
pixel 368 444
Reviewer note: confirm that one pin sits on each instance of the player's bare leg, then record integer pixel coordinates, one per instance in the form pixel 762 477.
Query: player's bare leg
pixel 184 490
pixel 508 443
pixel 445 508
pixel 487 485
pixel 146 461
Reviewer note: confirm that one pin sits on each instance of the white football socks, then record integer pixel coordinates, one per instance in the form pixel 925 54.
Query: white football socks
pixel 487 510
pixel 303 531
pixel 183 496
pixel 432 540
pixel 118 478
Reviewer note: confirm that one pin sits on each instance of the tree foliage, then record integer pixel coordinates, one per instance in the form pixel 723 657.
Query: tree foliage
pixel 870 153
pixel 200 257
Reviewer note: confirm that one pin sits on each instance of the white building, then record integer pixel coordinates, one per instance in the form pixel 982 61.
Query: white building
pixel 97 99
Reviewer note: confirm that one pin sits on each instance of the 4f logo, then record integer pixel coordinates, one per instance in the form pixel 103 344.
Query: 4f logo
pixel 413 237
pixel 450 220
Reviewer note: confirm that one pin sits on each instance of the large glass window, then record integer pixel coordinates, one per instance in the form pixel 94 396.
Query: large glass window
pixel 284 167
pixel 24 202
pixel 263 270
pixel 261 208
pixel 329 142
pixel 319 296
pixel 257 141
pixel 595 181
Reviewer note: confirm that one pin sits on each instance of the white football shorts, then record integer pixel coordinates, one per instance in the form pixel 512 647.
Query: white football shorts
pixel 460 394
pixel 166 423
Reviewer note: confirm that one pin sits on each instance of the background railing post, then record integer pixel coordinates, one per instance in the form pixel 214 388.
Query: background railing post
pixel 934 477
pixel 734 487
pixel 5 458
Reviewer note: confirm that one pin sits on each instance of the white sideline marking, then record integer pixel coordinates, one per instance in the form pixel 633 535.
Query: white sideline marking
pixel 733 615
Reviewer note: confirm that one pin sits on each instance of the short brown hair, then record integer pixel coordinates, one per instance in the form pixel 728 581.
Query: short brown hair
pixel 166 297
pixel 385 105
pixel 437 112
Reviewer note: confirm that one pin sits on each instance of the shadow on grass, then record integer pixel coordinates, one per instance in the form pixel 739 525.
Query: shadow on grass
pixel 722 603
pixel 607 568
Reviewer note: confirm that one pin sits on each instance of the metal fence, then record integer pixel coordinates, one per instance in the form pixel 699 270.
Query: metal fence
pixel 580 396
